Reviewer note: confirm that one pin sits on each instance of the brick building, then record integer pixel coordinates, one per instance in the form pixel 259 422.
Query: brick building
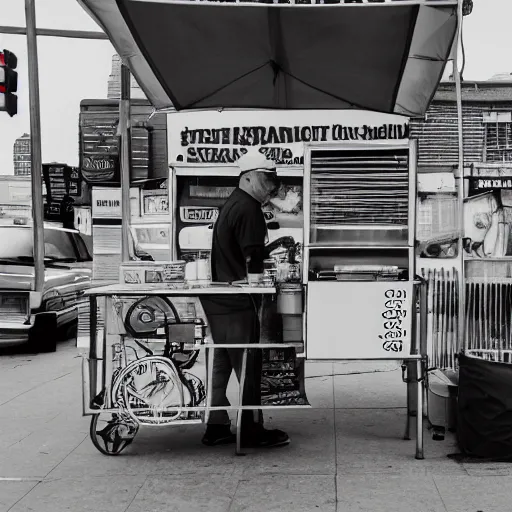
pixel 487 110
pixel 487 221
pixel 487 136
pixel 22 155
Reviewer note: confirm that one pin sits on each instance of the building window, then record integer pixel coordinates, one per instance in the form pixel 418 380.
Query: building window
pixel 498 136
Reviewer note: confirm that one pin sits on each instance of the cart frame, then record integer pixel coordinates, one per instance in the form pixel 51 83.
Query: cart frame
pixel 415 362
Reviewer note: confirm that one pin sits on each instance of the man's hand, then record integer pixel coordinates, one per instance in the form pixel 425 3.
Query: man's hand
pixel 255 279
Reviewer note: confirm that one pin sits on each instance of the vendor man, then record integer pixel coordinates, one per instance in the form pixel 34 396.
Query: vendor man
pixel 238 252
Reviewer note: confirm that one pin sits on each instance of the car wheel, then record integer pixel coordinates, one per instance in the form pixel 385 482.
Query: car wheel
pixel 68 331
pixel 43 335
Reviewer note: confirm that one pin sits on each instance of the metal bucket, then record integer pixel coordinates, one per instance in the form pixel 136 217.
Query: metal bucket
pixel 289 299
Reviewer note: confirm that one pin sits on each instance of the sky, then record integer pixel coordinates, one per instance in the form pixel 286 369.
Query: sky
pixel 71 70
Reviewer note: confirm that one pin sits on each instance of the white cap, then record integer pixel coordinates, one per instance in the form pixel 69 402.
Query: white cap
pixel 253 160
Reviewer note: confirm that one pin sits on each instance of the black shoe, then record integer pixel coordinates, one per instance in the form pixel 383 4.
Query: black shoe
pixel 266 439
pixel 218 434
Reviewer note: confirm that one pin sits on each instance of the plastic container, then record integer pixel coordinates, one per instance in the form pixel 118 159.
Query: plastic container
pixel 269 272
pixel 282 272
pixel 289 299
pixel 174 271
pixel 191 271
pixel 203 271
pixel 442 399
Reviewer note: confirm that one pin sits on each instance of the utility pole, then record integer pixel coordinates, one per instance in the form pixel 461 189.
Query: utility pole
pixel 462 341
pixel 35 144
pixel 124 128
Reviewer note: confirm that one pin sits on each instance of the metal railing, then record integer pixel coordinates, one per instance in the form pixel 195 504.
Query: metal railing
pixel 487 321
pixel 442 318
pixel 489 318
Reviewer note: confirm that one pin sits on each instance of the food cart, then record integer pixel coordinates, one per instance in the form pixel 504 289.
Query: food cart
pixel 357 295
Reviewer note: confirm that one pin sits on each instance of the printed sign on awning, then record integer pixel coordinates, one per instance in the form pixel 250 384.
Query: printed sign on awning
pixel 221 138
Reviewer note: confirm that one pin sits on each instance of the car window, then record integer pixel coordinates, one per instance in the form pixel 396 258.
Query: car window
pixel 82 248
pixel 58 244
pixel 15 242
pixel 18 242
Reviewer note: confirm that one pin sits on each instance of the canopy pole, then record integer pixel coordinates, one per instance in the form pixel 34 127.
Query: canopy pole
pixel 124 127
pixel 462 342
pixel 35 146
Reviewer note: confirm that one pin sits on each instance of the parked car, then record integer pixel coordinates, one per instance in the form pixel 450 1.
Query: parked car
pixel 40 319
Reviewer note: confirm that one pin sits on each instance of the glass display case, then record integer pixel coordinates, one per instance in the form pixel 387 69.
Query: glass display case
pixel 359 197
pixel 359 210
pixel 359 254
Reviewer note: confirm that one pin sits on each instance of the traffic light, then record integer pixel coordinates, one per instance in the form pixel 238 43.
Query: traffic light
pixel 8 83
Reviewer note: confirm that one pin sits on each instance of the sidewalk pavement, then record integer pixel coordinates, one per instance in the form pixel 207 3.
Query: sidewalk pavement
pixel 347 453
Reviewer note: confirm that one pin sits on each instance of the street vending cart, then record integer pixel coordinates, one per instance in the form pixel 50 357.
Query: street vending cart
pixel 358 299
pixel 357 295
pixel 154 386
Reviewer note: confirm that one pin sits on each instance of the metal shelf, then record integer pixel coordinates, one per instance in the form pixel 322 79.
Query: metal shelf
pixel 365 247
pixel 494 259
pixel 361 227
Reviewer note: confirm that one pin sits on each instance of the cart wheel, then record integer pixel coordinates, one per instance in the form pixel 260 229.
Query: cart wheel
pixel 112 433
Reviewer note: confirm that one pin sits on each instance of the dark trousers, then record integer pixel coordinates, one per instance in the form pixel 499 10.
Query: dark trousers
pixel 237 327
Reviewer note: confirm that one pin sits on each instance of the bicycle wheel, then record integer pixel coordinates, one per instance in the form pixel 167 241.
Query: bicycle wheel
pixel 150 390
pixel 112 433
pixel 147 316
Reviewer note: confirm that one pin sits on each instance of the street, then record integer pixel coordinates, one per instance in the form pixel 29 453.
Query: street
pixel 347 453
